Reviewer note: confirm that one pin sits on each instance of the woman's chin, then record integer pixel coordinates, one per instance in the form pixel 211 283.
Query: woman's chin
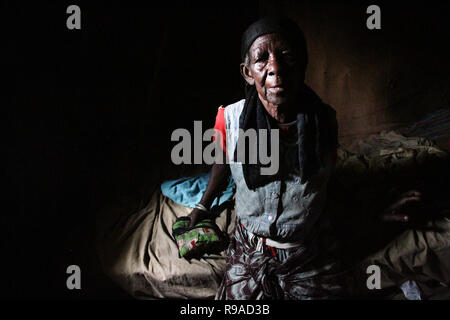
pixel 278 99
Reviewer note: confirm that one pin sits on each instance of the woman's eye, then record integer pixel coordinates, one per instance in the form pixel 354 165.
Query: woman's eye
pixel 260 58
pixel 288 55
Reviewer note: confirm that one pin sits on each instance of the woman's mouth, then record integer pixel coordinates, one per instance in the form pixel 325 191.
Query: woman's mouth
pixel 276 89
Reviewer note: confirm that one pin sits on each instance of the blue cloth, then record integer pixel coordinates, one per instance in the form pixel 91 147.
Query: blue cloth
pixel 188 191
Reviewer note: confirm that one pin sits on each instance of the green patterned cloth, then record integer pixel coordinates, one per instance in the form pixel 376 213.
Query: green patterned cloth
pixel 204 238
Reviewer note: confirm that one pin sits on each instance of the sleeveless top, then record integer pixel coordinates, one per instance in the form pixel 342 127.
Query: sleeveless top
pixel 284 210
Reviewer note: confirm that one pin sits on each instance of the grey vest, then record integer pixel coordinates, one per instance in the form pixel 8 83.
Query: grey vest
pixel 285 210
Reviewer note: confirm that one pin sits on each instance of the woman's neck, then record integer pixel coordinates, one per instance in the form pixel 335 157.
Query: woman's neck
pixel 282 113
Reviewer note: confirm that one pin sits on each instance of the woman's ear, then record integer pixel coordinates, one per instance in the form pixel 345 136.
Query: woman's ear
pixel 245 71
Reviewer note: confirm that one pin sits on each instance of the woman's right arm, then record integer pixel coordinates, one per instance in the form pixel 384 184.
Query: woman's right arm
pixel 218 181
pixel 220 172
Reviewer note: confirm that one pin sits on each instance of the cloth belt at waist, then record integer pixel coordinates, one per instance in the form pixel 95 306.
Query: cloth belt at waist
pixel 270 242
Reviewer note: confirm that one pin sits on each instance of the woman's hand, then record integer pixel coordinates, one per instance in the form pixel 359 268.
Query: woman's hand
pixel 198 215
pixel 405 208
pixel 218 181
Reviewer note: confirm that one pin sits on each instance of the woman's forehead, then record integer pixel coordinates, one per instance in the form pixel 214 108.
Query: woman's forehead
pixel 267 41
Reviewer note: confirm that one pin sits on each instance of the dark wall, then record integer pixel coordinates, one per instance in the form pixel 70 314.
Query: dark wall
pixel 375 79
pixel 89 115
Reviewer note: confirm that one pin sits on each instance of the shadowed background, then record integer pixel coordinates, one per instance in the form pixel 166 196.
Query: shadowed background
pixel 88 113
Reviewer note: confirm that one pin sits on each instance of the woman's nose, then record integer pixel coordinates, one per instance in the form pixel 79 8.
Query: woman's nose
pixel 274 66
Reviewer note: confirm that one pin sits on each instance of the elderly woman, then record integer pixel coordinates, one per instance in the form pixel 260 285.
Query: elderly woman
pixel 282 246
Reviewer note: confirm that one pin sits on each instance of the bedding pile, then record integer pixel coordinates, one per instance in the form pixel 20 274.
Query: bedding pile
pixel 375 171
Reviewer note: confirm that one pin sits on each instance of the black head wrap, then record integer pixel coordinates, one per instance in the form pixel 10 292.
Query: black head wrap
pixel 316 122
pixel 283 26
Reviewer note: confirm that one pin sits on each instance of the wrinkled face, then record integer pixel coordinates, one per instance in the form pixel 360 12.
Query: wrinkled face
pixel 275 68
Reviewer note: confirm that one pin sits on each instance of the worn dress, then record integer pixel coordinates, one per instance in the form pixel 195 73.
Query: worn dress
pixel 286 210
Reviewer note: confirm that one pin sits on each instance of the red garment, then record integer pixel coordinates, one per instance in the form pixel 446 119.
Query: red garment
pixel 221 128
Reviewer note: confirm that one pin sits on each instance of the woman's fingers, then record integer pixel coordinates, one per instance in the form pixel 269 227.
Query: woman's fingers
pixel 394 212
pixel 404 201
pixel 196 216
pixel 411 193
pixel 395 217
pixel 409 199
